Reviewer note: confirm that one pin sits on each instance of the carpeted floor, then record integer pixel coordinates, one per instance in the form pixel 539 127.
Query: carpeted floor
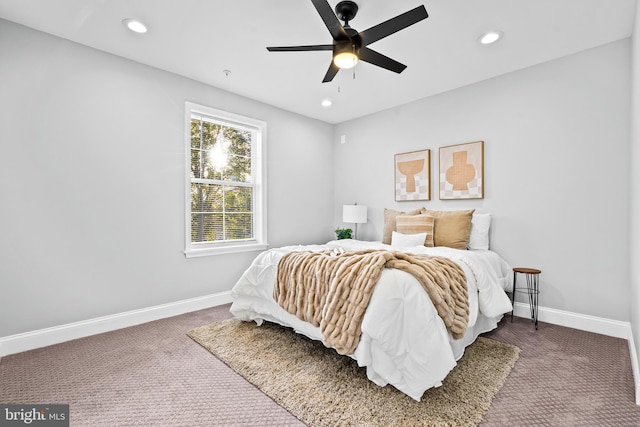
pixel 564 377
pixel 155 375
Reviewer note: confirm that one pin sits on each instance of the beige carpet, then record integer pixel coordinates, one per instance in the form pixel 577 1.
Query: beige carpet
pixel 322 388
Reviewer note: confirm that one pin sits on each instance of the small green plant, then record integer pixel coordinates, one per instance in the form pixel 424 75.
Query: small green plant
pixel 343 233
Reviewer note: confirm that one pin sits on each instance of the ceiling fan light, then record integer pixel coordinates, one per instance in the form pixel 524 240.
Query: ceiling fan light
pixel 345 60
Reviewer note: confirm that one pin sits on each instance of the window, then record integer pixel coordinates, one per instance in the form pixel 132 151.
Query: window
pixel 225 191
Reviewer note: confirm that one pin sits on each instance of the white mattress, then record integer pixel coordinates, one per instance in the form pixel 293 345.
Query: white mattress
pixel 404 342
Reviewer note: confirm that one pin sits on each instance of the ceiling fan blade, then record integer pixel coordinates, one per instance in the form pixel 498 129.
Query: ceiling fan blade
pixel 393 25
pixel 300 48
pixel 330 20
pixel 331 73
pixel 375 58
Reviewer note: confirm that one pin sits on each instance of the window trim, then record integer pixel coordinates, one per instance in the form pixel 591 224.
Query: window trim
pixel 258 164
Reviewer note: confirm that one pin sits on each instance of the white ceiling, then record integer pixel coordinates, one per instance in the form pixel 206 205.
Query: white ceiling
pixel 201 38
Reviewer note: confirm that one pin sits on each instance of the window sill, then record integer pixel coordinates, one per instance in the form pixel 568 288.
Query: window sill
pixel 226 249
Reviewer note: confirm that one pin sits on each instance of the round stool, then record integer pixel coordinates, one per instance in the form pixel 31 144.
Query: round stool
pixel 531 275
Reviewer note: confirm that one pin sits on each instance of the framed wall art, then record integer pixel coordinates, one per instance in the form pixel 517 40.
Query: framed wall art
pixel 461 171
pixel 413 175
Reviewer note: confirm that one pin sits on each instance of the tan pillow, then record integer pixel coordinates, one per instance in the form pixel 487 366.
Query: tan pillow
pixel 415 224
pixel 390 223
pixel 451 228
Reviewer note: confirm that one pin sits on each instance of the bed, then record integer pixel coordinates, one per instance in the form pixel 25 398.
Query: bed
pixel 403 340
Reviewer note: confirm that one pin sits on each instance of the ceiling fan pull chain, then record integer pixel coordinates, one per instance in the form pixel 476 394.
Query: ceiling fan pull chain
pixel 355 58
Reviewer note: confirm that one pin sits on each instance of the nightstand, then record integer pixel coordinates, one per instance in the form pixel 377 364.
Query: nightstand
pixel 531 276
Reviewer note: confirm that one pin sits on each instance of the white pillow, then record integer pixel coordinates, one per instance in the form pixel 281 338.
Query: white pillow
pixel 479 236
pixel 399 239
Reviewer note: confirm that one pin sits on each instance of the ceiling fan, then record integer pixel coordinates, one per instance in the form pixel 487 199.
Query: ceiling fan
pixel 349 45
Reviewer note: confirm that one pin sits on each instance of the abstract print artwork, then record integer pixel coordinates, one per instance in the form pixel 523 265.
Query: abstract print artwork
pixel 412 175
pixel 462 171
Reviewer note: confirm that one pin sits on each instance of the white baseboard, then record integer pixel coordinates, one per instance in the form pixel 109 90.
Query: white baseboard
pixel 635 367
pixel 43 337
pixel 584 322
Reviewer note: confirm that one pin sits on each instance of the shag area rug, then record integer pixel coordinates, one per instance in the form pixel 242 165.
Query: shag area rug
pixel 323 388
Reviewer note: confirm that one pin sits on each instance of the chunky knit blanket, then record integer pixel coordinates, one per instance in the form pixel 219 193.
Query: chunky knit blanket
pixel 331 290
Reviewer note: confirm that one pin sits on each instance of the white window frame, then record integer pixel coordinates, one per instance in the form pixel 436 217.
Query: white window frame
pixel 258 173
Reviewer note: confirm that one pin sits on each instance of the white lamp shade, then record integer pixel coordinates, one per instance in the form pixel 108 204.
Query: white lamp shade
pixel 354 214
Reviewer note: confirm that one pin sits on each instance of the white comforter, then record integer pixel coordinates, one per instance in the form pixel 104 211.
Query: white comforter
pixel 404 342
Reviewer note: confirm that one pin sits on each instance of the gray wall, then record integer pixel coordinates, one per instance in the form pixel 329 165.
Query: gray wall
pixel 91 178
pixel 92 183
pixel 556 170
pixel 634 159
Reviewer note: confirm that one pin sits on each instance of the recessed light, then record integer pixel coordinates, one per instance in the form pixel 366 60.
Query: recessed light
pixel 135 25
pixel 491 37
pixel 326 103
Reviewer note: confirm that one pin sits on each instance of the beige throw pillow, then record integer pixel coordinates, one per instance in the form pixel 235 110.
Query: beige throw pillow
pixel 415 224
pixel 451 228
pixel 390 223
